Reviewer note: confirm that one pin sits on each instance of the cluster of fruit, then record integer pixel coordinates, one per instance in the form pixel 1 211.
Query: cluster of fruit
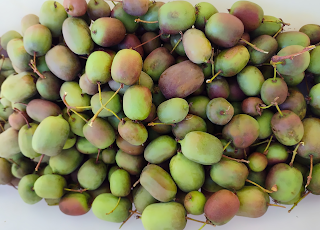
pixel 178 109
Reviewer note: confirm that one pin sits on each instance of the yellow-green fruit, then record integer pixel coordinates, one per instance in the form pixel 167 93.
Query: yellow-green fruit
pixel 159 216
pixel 106 202
pixel 9 143
pixel 51 135
pixel 120 183
pixel 25 189
pixel 50 186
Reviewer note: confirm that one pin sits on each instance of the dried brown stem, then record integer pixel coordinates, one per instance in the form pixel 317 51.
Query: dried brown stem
pixel 311 169
pixel 294 153
pixel 38 165
pixel 237 160
pixel 127 219
pixel 33 66
pixel 276 58
pixel 149 22
pixel 97 160
pixel 276 205
pixel 254 46
pixel 76 190
pixel 135 212
pixel 25 119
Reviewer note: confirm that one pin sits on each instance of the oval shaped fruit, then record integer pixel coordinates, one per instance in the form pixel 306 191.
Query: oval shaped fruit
pixel 76 34
pixel 37 40
pixel 152 16
pixel 202 148
pixel 50 186
pixel 18 54
pixel 142 198
pixel 120 183
pixel 5 169
pixel 75 8
pixel 173 110
pixel 219 111
pixel 75 204
pixel 132 164
pixel 158 183
pixel 204 11
pixel 194 202
pixel 164 213
pixel 98 67
pixel 134 133
pixel 289 38
pixel 39 109
pixel 9 142
pixel 250 80
pixel 189 124
pixel 98 9
pixel 26 191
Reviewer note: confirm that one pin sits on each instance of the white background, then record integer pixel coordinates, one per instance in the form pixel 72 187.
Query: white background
pixel 16 215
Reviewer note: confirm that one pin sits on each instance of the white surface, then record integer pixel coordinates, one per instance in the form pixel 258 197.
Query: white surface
pixel 16 215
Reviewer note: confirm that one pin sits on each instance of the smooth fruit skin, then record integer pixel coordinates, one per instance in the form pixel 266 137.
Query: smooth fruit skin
pixel 98 9
pixel 171 215
pixel 137 102
pixel 75 204
pixel 287 179
pixel 243 130
pixel 314 185
pixel 176 16
pixel 313 32
pixel 194 202
pixel 189 124
pixel 51 135
pixel 106 202
pixel 264 122
pixel 202 148
pixel 77 36
pixel 197 47
pixel 142 198
pixel 204 11
pixel 224 29
pixel 250 80
pixel 91 174
pixel 288 129
pixel 173 110
pixel 221 207
pixel 253 202
pixel 18 54
pixel 258 162
pixel 152 16
pixel 50 186
pixel 5 172
pixel 188 175
pixel 289 38
pixel 26 191
pixel 136 8
pixel 98 67
pixel 231 61
pixel 219 111
pixel 229 174
pixel 158 183
pixel 52 10
pixel 9 143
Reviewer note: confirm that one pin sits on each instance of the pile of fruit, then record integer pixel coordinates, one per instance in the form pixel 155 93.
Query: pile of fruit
pixel 160 110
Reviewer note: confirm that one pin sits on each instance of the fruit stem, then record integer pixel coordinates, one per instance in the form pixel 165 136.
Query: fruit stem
pixel 276 21
pixel 237 160
pixel 70 108
pixel 226 146
pixel 178 42
pixel 135 212
pixel 276 58
pixel 294 153
pixel 104 106
pixel 38 165
pixel 13 162
pixel 2 127
pixel 137 182
pixel 76 190
pixel 97 160
pixel 276 205
pixel 296 204
pixel 203 226
pixel 154 124
pixel 33 66
pixel 199 221
pixel 268 145
pixel 147 41
pixel 265 190
pixel 278 32
pixel 25 119
pixel 254 46
pixel 311 169
pixel 127 219
pixel 114 207
pixel 260 143
pixel 279 110
pixel 3 120
pixel 139 20
pixel 210 80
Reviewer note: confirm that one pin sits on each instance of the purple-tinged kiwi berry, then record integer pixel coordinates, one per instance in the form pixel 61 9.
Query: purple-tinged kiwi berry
pixel 264 42
pixel 39 109
pixel 257 162
pixel 136 7
pixel 87 86
pixel 176 16
pixel 219 87
pixel 98 9
pixel 28 21
pixel 219 111
pixel 221 207
pixel 126 66
pixel 242 130
pixel 250 13
pixel 63 63
pixel 107 32
pixel 274 90
pixel 189 124
pixel 75 8
pixel 235 92
pixel 296 103
pixel 224 29
pixel 181 80
pixel 251 106
pixel 18 119
pixel 160 127
pixel 157 62
pixel 287 127
pixel 133 132
pixel 75 204
pixel 151 42
pixel 131 41
pixel 132 164
pixel 125 146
